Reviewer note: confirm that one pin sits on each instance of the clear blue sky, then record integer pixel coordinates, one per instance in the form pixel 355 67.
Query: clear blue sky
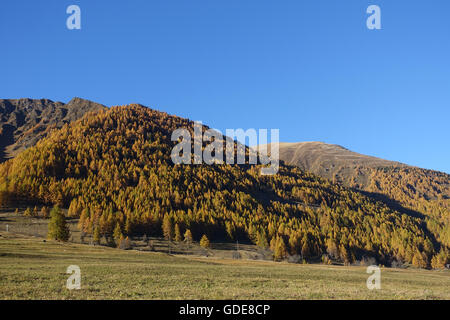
pixel 310 68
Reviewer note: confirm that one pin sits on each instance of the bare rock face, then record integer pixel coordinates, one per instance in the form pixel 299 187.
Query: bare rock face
pixel 23 122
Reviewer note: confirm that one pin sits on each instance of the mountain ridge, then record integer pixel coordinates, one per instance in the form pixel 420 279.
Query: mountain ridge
pixel 23 122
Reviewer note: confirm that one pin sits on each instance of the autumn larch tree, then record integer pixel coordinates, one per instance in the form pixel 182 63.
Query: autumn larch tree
pixel 96 236
pixel 280 249
pixel 204 242
pixel 117 234
pixel 27 212
pixel 188 236
pixel 44 212
pixel 167 227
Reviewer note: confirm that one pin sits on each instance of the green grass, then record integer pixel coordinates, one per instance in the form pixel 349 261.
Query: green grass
pixel 33 269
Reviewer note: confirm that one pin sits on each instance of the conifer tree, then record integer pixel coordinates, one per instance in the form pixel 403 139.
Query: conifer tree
pixel 57 227
pixel 332 249
pixel 118 236
pixel 188 236
pixel 419 260
pixel 280 249
pixel 306 249
pixel 44 212
pixel 178 236
pixel 273 243
pixel 124 243
pixel 440 260
pixel 96 236
pixel 167 228
pixel 261 240
pixel 128 226
pixel 204 242
pixel 294 244
pixel 27 212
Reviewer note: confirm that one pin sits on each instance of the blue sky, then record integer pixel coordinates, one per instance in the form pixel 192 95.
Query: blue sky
pixel 310 68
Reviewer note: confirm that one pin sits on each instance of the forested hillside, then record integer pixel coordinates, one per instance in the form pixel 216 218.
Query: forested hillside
pixel 113 170
pixel 423 192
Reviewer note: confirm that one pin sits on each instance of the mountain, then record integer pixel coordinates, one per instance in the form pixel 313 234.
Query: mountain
pixel 424 191
pixel 333 161
pixel 114 172
pixel 23 122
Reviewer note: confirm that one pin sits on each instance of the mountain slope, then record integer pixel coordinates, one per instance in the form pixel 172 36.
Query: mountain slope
pixel 113 170
pixel 424 191
pixel 23 122
pixel 332 161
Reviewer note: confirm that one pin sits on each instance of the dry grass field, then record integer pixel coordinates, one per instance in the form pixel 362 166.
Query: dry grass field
pixel 33 269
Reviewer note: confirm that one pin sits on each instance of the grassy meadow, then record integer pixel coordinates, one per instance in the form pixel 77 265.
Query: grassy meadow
pixel 33 269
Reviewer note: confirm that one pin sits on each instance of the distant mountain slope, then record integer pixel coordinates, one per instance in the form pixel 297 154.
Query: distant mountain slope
pixel 333 161
pixel 23 122
pixel 421 190
pixel 114 171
